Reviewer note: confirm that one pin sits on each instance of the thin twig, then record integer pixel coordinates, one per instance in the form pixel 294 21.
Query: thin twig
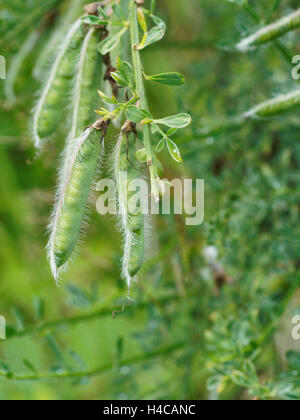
pixel 88 373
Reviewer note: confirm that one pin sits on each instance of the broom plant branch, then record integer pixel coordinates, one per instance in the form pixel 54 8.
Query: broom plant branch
pixel 138 74
pixel 88 373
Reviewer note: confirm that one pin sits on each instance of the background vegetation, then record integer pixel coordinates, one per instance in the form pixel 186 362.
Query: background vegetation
pixel 190 333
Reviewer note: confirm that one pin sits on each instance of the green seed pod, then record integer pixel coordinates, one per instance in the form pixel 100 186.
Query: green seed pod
pixel 68 216
pixel 88 79
pixel 278 105
pixel 49 110
pixel 73 12
pixel 16 65
pixel 79 160
pixel 133 224
pixel 136 227
pixel 136 257
pixel 272 31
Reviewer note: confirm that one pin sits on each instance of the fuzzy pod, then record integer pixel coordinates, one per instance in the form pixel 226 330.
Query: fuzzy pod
pixel 136 226
pixel 72 197
pixel 48 53
pixel 16 66
pixel 50 108
pixel 132 224
pixel 136 253
pixel 80 158
pixel 272 31
pixel 278 105
pixel 87 82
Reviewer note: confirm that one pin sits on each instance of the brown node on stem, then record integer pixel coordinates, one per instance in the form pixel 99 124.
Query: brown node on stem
pixel 129 127
pixel 92 8
pixel 220 277
pixel 102 125
pixel 114 314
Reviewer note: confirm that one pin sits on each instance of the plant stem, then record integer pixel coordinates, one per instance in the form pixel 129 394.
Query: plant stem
pixel 138 73
pixel 89 316
pixel 94 371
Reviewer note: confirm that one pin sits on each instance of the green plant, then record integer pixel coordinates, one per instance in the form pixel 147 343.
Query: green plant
pixel 78 165
pixel 194 328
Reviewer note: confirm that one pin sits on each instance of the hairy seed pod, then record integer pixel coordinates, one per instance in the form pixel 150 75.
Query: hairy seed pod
pixel 72 198
pixel 278 105
pixel 87 82
pixel 270 32
pixel 80 158
pixel 16 65
pixel 75 9
pixel 49 110
pixel 132 224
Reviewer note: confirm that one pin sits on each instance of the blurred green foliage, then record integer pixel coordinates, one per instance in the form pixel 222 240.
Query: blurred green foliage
pixel 189 333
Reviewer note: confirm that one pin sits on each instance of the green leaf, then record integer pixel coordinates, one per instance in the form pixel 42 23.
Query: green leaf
pixel 175 121
pixel 141 155
pixel 241 379
pixel 78 298
pixel 94 20
pixel 118 11
pixel 249 370
pixel 136 114
pixel 170 79
pixel 117 77
pixel 119 348
pixel 154 35
pixel 39 306
pixel 142 20
pixel 293 359
pixel 160 146
pixel 171 131
pixel 19 318
pixel 174 150
pixel 159 22
pixel 126 72
pixel 29 365
pixel 102 13
pixel 4 367
pixel 154 128
pixel 107 99
pixel 108 44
